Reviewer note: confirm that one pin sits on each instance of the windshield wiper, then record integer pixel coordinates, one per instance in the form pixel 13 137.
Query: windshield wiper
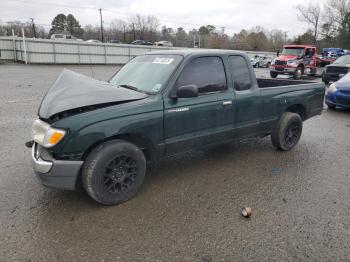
pixel 129 87
pixel 133 88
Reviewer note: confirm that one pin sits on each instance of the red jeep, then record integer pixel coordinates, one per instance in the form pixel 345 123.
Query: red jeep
pixel 295 60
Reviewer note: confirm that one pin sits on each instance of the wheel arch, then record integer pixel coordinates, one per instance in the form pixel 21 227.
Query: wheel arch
pixel 138 139
pixel 298 109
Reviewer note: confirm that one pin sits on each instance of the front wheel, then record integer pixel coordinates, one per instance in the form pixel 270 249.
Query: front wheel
pixel 298 73
pixel 273 74
pixel 331 107
pixel 287 132
pixel 113 172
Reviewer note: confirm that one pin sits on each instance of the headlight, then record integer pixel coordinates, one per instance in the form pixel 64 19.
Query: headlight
pixel 332 88
pixel 45 135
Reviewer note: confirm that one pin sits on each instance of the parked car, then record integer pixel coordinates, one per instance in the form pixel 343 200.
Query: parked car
pixel 113 41
pixel 338 93
pixel 163 43
pixel 161 104
pixel 93 41
pixel 322 61
pixel 295 60
pixel 141 42
pixel 261 61
pixel 333 52
pixel 337 70
pixel 64 37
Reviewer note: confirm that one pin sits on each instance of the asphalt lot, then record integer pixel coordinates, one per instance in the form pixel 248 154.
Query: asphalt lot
pixel 189 207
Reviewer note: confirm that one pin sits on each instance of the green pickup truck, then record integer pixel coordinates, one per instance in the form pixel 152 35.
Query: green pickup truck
pixel 102 135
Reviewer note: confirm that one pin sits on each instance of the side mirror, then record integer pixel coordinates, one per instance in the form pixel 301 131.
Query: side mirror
pixel 187 91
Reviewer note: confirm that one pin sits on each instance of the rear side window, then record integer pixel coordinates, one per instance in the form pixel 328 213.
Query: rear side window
pixel 207 73
pixel 240 73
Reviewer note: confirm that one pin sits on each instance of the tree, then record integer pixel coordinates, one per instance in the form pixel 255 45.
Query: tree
pixel 305 39
pixel 58 24
pixel 180 37
pixel 276 39
pixel 310 14
pixel 203 30
pixel 72 26
pixel 338 16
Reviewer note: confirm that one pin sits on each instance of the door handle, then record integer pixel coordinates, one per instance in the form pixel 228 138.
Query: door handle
pixel 227 103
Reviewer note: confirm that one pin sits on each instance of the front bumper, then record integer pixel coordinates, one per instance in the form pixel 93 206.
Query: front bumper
pixel 282 69
pixel 54 173
pixel 338 99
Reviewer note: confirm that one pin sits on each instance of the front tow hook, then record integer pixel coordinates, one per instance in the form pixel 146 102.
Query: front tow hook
pixel 29 144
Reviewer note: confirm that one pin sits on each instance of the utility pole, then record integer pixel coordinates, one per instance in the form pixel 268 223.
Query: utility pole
pixel 33 27
pixel 222 31
pixel 102 37
pixel 133 29
pixel 124 34
pixel 285 37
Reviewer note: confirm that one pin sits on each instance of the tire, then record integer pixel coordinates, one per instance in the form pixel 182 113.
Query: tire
pixel 257 65
pixel 287 132
pixel 331 107
pixel 298 73
pixel 273 74
pixel 268 65
pixel 113 172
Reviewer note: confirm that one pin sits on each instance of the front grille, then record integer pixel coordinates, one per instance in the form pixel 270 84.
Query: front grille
pixel 279 69
pixel 337 70
pixel 343 102
pixel 279 62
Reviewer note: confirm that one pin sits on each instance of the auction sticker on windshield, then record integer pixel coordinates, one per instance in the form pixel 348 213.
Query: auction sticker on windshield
pixel 163 60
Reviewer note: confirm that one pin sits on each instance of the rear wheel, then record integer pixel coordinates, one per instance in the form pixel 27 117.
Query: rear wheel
pixel 113 172
pixel 273 74
pixel 287 132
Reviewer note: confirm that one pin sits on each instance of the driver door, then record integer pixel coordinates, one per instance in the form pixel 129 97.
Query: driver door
pixel 191 123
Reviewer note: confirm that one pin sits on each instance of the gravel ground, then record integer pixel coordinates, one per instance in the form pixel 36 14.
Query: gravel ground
pixel 189 207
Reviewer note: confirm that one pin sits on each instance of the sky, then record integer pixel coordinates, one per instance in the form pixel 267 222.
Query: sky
pixel 234 15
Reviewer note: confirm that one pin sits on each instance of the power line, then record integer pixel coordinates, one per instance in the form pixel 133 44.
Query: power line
pixel 111 11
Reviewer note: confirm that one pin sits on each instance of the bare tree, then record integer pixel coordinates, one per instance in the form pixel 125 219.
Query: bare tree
pixel 338 17
pixel 310 14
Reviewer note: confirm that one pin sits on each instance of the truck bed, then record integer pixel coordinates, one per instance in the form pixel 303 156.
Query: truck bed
pixel 265 83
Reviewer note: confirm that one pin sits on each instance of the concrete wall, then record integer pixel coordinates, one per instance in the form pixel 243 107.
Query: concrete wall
pixel 46 51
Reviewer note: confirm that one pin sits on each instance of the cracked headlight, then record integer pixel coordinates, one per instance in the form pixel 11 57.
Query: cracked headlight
pixel 45 135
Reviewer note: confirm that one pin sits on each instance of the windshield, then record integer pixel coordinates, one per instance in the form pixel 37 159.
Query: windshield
pixel 295 51
pixel 343 60
pixel 147 73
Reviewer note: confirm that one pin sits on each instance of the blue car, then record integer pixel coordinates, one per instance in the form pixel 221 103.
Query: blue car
pixel 338 93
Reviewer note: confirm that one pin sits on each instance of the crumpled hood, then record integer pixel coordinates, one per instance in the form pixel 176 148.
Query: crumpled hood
pixel 72 91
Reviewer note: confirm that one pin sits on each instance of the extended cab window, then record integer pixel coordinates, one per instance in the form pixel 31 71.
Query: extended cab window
pixel 240 73
pixel 207 73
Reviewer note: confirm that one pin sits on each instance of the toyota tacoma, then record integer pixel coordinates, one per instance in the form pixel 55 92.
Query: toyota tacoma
pixel 102 135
